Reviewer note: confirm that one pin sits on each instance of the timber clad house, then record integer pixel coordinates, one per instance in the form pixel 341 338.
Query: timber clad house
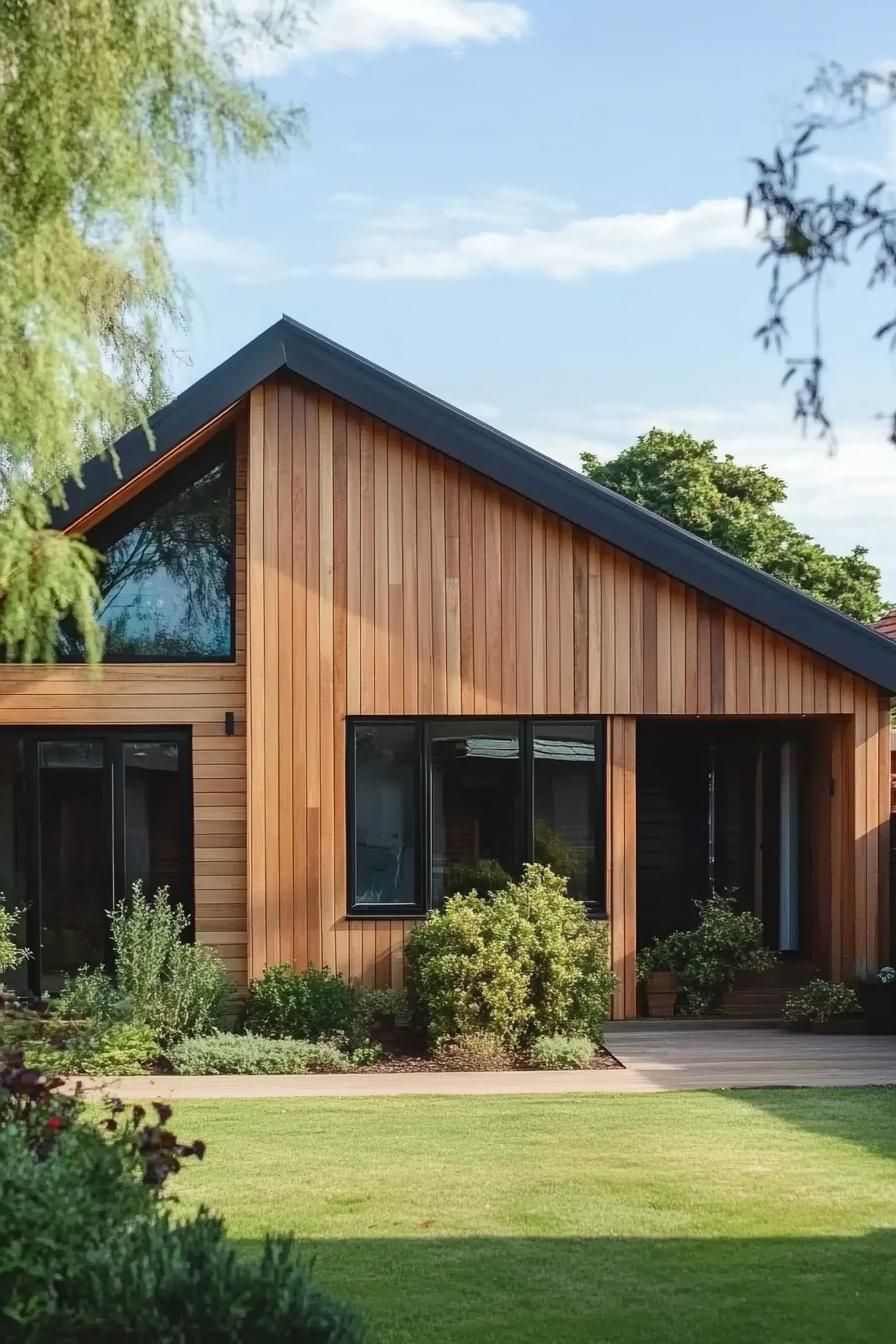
pixel 363 650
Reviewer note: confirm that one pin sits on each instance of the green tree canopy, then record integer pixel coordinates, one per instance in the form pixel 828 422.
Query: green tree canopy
pixel 111 112
pixel 735 507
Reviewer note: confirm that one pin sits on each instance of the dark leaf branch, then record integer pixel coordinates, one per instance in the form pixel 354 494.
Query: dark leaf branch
pixel 808 235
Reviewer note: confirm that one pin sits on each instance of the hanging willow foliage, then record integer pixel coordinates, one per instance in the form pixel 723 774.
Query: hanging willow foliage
pixel 110 112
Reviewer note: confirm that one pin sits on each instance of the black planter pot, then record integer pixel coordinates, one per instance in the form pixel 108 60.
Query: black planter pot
pixel 879 1006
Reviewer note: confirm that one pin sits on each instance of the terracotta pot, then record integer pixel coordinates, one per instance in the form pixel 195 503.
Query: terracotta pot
pixel 662 991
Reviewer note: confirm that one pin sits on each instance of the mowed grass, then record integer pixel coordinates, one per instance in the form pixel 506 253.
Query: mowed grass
pixel 733 1217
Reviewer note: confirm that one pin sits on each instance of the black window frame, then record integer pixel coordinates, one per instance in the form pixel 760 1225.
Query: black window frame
pixel 113 740
pixel 221 448
pixel 423 725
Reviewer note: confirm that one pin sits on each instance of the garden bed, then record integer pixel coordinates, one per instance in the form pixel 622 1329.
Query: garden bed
pixel 602 1059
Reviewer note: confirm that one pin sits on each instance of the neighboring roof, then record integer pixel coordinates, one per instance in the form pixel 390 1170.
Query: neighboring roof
pixel 289 345
pixel 886 624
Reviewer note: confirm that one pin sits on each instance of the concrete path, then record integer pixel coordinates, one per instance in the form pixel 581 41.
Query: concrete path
pixel 655 1059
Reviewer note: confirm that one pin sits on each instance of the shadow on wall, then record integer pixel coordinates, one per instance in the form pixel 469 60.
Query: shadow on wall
pixel 614 1290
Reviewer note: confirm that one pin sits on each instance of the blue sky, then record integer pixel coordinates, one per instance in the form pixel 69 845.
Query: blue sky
pixel 533 210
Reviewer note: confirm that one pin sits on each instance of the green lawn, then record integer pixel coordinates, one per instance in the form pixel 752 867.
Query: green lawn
pixel 763 1217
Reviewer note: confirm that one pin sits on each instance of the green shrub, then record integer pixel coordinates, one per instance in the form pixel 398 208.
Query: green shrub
pixel 524 963
pixel 174 988
pixel 310 1005
pixel 382 1005
pixel 707 958
pixel 562 1052
pixel 227 1052
pixel 11 953
pixel 90 1252
pixel 478 1052
pixel 120 1049
pixel 820 1001
pixel 63 1047
pixel 482 876
pixel 91 993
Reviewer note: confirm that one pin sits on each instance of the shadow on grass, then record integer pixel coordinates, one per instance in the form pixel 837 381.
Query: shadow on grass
pixel 559 1290
pixel 864 1117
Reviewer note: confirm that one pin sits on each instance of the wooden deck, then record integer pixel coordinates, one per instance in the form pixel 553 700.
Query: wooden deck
pixel 682 1057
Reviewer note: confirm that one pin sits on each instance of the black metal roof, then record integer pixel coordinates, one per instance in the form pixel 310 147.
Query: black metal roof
pixel 289 345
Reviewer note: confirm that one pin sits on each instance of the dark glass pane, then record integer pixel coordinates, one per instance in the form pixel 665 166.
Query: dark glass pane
pixel 166 576
pixel 154 840
pixel 13 845
pixel 74 874
pixel 385 804
pixel 477 805
pixel 564 772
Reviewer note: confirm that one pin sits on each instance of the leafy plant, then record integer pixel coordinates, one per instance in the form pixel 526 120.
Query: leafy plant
pixel 227 1052
pixel 662 954
pixel 12 954
pixel 383 1005
pixel 366 1054
pixel 477 1052
pixel 175 988
pixel 524 963
pixel 707 958
pixel 821 1001
pixel 310 1005
pixel 90 1249
pixel 562 1052
pixel 91 993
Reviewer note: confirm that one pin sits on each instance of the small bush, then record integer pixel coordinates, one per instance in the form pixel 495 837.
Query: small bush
pixel 383 1005
pixel 562 1052
pixel 227 1052
pixel 526 962
pixel 310 1005
pixel 122 1048
pixel 478 1052
pixel 176 989
pixel 64 1047
pixel 91 993
pixel 708 958
pixel 820 1001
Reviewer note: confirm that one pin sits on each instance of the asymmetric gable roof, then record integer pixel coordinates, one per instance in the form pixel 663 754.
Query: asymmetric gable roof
pixel 289 345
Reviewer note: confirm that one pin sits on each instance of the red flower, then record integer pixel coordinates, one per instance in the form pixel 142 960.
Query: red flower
pixel 54 1122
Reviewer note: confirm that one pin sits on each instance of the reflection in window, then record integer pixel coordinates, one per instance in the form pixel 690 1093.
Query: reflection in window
pixel 476 806
pixel 565 797
pixel 153 834
pixel 385 801
pixel 166 577
pixel 73 837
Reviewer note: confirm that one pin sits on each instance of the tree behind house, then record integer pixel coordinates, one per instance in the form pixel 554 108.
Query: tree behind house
pixel 734 506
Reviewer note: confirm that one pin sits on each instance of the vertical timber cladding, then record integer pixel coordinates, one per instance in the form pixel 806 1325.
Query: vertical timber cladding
pixel 385 578
pixel 192 695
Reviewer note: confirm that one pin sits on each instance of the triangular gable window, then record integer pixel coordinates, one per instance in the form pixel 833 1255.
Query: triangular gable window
pixel 167 571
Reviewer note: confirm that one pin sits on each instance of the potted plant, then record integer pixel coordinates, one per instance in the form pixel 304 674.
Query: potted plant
pixel 656 971
pixel 877 995
pixel 822 1006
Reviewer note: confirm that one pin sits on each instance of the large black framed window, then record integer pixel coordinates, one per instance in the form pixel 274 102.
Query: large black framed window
pixel 85 813
pixel 167 572
pixel 440 805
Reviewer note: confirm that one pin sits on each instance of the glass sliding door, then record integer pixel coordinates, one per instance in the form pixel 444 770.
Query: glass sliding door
pixel 84 815
pixel 74 856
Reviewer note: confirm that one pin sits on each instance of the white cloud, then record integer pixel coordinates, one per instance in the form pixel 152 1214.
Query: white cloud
pixel 368 27
pixel 246 262
pixel 565 251
pixel 842 499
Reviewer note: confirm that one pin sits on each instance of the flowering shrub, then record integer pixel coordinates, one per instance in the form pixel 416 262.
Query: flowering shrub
pixel 820 1001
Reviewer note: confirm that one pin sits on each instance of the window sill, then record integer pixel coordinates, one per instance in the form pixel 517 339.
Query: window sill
pixel 385 912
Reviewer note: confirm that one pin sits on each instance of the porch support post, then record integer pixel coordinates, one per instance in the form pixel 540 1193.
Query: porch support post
pixel 621 858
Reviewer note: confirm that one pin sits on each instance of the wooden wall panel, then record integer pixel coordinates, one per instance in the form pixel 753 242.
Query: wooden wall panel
pixel 418 587
pixel 191 695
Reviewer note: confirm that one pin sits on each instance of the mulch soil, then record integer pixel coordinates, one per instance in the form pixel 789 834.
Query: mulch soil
pixel 420 1064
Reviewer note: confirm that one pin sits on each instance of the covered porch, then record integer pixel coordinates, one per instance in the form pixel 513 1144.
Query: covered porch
pixel 766 809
